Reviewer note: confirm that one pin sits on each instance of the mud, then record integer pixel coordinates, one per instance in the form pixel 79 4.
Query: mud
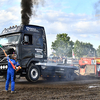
pixel 82 89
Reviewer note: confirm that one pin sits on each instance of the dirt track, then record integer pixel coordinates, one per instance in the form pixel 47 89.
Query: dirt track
pixel 88 89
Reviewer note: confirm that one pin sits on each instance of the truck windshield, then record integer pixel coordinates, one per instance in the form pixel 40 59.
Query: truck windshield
pixel 10 39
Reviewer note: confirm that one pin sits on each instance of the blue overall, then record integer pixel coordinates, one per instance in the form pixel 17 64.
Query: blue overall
pixel 10 74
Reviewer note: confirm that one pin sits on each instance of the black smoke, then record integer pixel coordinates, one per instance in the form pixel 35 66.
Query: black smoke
pixel 97 9
pixel 27 9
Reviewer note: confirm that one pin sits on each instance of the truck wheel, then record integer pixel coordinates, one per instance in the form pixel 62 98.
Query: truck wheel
pixel 70 75
pixel 33 73
pixel 5 76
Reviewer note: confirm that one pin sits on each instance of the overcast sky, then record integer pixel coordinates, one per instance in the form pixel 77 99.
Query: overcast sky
pixel 77 18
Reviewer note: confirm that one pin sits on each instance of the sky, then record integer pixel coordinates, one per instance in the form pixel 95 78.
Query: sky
pixel 77 18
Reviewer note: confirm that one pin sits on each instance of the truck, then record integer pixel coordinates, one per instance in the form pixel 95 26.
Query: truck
pixel 29 43
pixel 89 66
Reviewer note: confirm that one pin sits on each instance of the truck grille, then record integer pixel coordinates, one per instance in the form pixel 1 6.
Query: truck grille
pixel 2 59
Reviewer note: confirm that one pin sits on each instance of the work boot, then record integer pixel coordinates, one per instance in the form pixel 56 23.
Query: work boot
pixel 5 91
pixel 13 92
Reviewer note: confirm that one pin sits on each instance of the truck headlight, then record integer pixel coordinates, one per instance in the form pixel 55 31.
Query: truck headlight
pixel 43 67
pixel 6 66
pixel 1 67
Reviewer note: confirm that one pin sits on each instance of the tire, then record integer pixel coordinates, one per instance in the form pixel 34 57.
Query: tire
pixel 27 78
pixel 5 76
pixel 70 75
pixel 33 73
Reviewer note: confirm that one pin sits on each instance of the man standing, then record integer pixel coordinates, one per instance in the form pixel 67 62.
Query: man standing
pixel 11 71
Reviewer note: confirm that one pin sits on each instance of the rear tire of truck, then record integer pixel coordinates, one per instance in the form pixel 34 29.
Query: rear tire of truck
pixel 33 73
pixel 70 75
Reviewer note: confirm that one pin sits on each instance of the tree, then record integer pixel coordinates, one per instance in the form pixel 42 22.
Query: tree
pixel 83 49
pixel 98 51
pixel 62 45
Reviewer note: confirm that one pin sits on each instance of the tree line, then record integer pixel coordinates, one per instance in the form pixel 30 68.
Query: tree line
pixel 63 46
